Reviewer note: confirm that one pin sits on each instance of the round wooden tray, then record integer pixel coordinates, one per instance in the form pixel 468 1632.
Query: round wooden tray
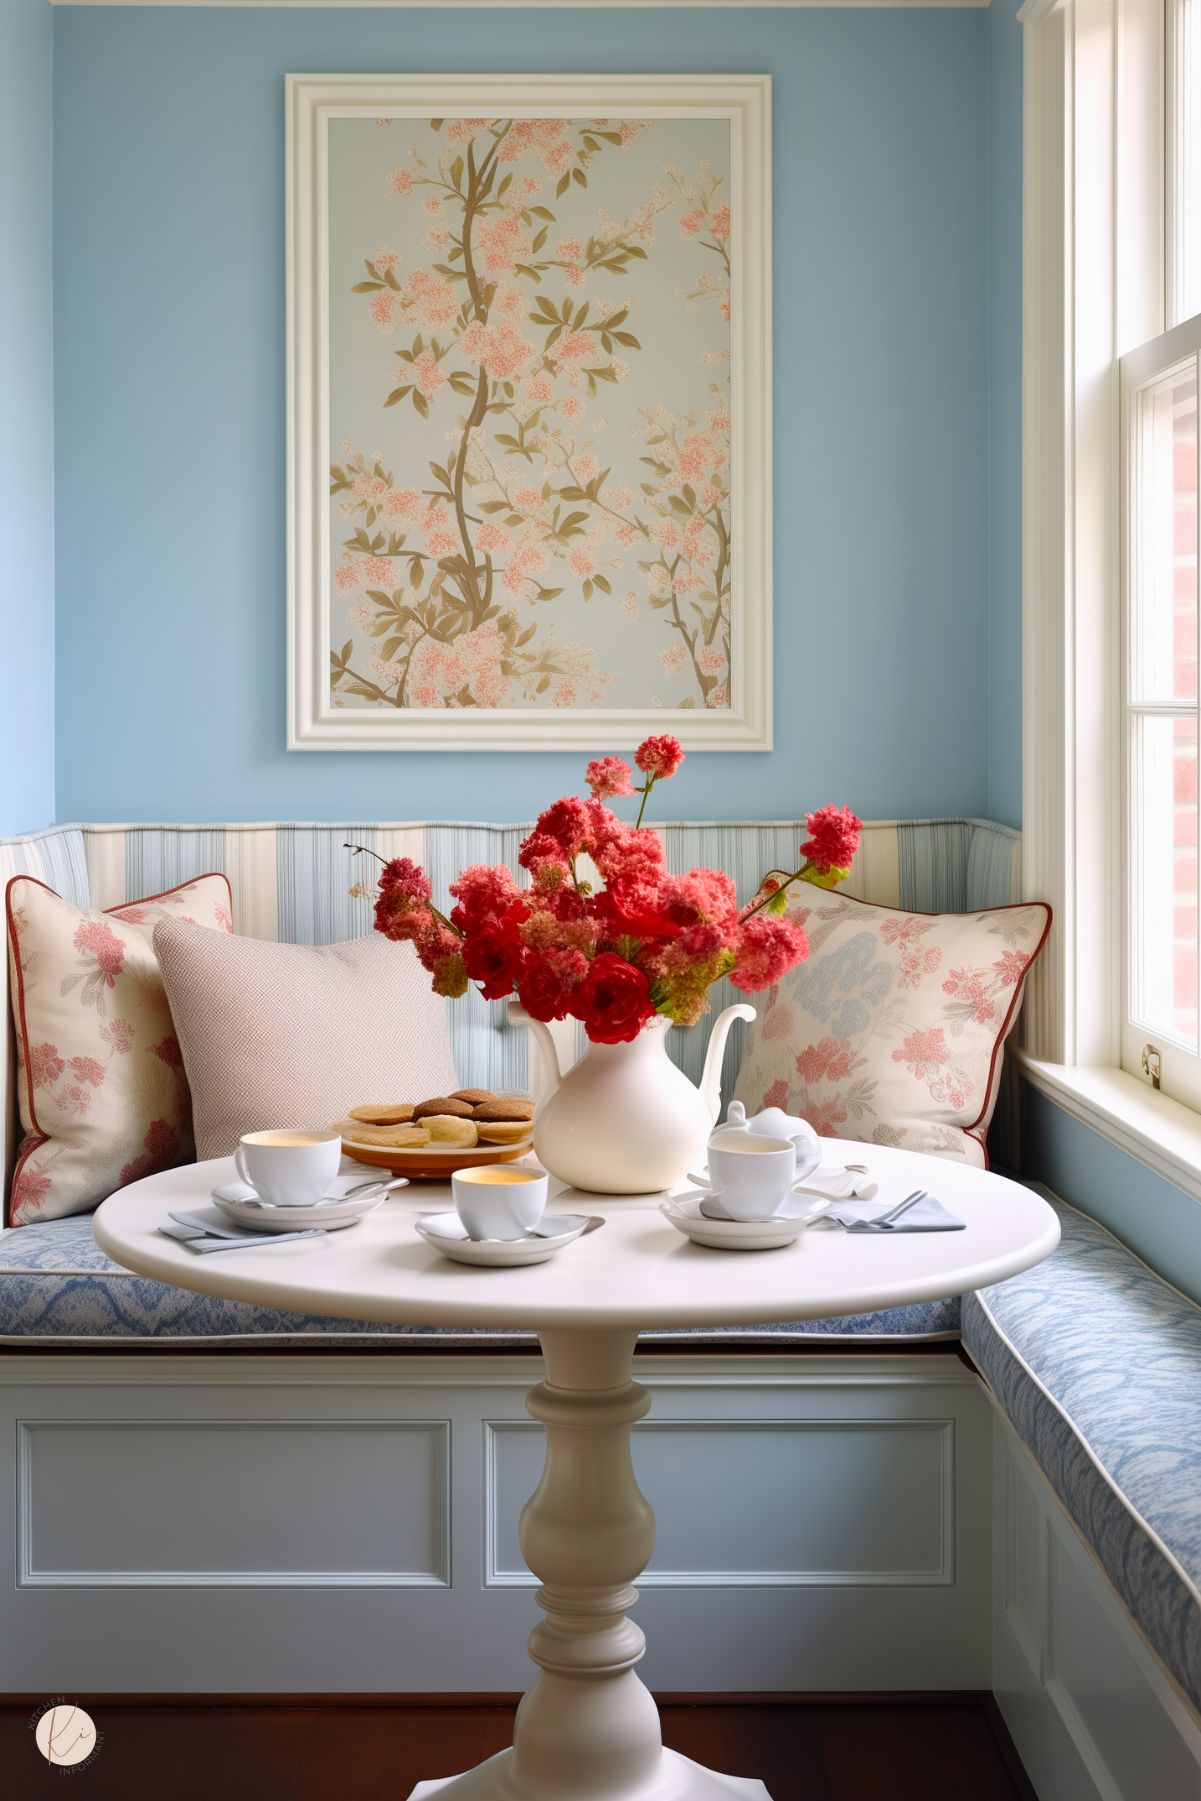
pixel 430 1164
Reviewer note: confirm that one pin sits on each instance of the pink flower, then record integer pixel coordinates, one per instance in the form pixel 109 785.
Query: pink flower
pixel 923 1052
pixel 404 896
pixel 401 181
pixel 45 1064
pixel 167 1051
pixel 833 838
pixel 825 1116
pixel 1011 967
pixel 483 895
pixel 99 941
pixel 767 948
pixel 608 777
pixel 426 373
pixel 161 1149
pixel 568 823
pixel 659 757
pixel 829 1060
pixel 29 1190
pixel 775 1096
pixel 87 1069
pixel 118 1036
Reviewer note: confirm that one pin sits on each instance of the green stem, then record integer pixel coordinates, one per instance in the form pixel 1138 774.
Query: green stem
pixel 646 794
pixel 787 883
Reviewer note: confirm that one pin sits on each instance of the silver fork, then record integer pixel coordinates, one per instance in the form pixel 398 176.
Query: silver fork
pixel 884 1220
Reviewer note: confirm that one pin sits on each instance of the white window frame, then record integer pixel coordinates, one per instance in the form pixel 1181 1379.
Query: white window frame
pixel 1096 265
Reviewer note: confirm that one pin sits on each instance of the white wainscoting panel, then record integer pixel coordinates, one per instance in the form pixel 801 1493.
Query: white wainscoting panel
pixel 284 1512
pixel 282 1523
pixel 835 1503
pixel 1094 1715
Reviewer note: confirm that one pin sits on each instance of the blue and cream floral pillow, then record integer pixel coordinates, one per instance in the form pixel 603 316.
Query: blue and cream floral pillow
pixel 893 1030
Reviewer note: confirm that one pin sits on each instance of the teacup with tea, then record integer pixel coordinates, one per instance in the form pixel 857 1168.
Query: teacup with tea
pixel 290 1168
pixel 498 1202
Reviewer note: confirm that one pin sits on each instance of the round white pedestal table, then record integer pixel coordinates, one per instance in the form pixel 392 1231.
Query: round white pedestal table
pixel 587 1729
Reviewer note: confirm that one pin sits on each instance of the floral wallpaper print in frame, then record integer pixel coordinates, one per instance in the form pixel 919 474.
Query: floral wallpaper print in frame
pixel 529 419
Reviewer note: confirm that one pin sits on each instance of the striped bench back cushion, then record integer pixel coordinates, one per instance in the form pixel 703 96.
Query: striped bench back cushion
pixel 292 882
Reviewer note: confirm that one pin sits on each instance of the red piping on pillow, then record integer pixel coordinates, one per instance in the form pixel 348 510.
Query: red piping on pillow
pixel 34 1143
pixel 1006 1023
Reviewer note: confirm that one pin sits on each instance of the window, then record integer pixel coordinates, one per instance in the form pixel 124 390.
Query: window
pixel 1159 578
pixel 1161 918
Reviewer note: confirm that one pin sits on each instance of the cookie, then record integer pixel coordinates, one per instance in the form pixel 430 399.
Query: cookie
pixel 381 1113
pixel 475 1097
pixel 502 1131
pixel 501 1109
pixel 448 1128
pixel 442 1105
pixel 392 1138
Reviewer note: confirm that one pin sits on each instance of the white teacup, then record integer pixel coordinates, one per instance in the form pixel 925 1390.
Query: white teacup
pixel 752 1175
pixel 289 1169
pixel 494 1202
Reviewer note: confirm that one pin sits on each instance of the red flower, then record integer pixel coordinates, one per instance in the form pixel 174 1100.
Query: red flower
pixel 608 777
pixel 544 983
pixel 490 956
pixel 833 838
pixel 659 757
pixel 167 1051
pixel 631 906
pixel 613 1000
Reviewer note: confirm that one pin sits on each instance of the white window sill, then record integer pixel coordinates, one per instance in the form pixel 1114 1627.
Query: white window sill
pixel 1160 1133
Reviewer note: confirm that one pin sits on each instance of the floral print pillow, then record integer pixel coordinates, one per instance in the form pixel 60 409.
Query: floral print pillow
pixel 102 1091
pixel 893 1030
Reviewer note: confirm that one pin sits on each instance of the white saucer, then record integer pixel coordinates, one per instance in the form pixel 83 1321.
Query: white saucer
pixel 447 1233
pixel 685 1214
pixel 795 1206
pixel 832 1181
pixel 333 1212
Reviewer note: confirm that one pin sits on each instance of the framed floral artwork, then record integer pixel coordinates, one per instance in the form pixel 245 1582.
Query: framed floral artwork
pixel 529 411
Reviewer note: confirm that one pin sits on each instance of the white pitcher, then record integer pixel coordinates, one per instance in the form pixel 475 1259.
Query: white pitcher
pixel 624 1119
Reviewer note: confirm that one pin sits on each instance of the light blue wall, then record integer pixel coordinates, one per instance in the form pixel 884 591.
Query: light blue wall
pixel 26 413
pixel 169 324
pixel 1004 412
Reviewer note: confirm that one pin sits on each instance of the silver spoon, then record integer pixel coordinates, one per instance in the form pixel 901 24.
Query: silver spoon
pixel 360 1192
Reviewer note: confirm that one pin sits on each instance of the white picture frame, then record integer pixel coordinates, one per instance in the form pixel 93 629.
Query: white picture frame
pixel 315 722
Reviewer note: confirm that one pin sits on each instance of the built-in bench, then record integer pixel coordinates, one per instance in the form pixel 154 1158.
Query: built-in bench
pixel 1063 1570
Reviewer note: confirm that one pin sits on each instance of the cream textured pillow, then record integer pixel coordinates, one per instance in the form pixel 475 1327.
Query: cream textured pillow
pixel 102 1091
pixel 278 1035
pixel 893 1030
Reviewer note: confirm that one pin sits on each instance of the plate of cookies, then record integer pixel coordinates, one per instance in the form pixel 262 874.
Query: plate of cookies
pixel 463 1130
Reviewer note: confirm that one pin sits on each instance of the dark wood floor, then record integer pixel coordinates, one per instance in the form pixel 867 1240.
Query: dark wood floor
pixel 902 1748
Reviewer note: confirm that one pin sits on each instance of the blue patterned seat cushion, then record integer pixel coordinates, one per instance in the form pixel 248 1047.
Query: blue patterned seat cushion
pixel 1096 1360
pixel 57 1286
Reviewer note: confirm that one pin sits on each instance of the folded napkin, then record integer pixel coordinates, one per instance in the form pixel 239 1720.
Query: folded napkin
pixel 208 1231
pixel 924 1214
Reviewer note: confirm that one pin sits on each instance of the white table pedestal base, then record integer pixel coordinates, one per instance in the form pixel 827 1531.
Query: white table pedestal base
pixel 588 1730
pixel 679 1779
